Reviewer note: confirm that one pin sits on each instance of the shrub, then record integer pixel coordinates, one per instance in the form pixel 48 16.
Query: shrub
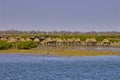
pixel 4 45
pixel 25 45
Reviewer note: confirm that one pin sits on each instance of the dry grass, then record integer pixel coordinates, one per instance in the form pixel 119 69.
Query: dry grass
pixel 62 52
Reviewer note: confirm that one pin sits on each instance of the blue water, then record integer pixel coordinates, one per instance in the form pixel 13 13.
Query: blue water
pixel 28 67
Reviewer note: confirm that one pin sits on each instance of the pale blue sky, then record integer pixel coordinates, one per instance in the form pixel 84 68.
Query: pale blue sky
pixel 57 15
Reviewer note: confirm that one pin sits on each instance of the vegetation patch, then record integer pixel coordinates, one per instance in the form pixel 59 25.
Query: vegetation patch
pixel 4 45
pixel 24 45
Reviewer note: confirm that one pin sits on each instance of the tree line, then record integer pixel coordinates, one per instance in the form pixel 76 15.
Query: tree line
pixel 59 32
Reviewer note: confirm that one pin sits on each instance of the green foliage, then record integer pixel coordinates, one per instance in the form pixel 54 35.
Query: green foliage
pixel 25 45
pixel 84 37
pixel 4 45
pixel 113 40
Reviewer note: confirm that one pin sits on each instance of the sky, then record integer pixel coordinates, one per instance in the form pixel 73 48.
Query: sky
pixel 60 15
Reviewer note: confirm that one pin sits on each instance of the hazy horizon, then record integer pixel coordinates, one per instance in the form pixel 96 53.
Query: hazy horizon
pixel 60 15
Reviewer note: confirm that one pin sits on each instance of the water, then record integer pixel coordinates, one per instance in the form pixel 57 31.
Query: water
pixel 28 67
pixel 115 49
pixel 108 49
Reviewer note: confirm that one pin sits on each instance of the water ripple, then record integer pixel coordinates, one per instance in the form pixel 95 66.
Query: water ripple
pixel 28 67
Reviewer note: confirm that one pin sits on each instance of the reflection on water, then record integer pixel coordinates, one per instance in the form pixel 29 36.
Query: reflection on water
pixel 26 67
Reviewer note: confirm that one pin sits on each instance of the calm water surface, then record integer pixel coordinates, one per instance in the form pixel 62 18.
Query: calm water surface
pixel 28 67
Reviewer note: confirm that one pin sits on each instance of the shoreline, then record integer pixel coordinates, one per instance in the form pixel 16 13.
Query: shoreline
pixel 52 51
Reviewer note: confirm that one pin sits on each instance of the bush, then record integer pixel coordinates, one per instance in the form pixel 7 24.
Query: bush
pixel 4 45
pixel 25 45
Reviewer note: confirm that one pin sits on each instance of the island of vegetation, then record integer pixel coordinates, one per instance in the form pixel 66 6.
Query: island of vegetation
pixel 58 43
